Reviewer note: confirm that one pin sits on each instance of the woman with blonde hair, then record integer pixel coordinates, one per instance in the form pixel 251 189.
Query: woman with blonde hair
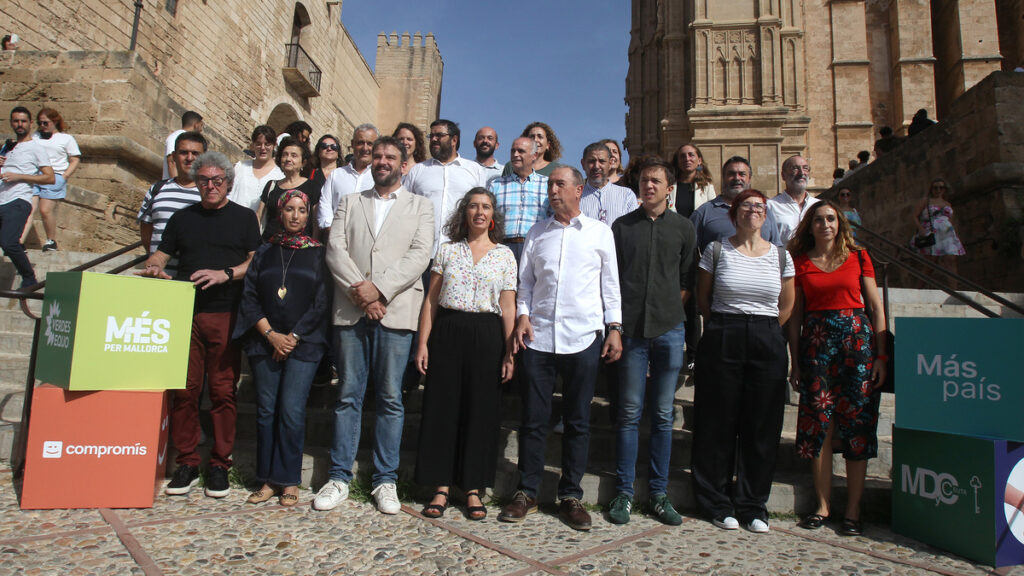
pixel 837 358
pixel 936 236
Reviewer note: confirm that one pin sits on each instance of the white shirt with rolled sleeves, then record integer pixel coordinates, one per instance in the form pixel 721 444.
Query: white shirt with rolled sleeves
pixel 568 284
pixel 788 213
pixel 25 158
pixel 444 185
pixel 343 181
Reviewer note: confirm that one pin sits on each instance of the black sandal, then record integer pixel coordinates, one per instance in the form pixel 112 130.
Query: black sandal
pixel 813 521
pixel 436 510
pixel 851 527
pixel 475 513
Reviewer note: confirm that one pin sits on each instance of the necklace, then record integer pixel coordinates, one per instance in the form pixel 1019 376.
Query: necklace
pixel 283 291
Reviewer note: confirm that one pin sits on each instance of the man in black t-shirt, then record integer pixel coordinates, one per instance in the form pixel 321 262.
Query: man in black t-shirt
pixel 214 240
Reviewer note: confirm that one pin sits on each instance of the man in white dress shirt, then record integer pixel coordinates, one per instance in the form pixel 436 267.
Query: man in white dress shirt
pixel 563 306
pixel 485 143
pixel 790 206
pixel 348 179
pixel 445 177
pixel 602 200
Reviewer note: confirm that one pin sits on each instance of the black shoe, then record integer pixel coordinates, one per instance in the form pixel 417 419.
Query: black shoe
pixel 28 282
pixel 813 522
pixel 851 528
pixel 217 482
pixel 50 246
pixel 185 477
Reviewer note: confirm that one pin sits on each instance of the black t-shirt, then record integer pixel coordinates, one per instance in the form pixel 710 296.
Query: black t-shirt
pixel 272 195
pixel 212 239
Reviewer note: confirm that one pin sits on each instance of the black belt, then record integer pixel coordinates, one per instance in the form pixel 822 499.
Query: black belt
pixel 514 240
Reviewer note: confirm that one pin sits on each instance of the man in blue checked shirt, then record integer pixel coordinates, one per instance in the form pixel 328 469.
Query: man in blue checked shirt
pixel 522 195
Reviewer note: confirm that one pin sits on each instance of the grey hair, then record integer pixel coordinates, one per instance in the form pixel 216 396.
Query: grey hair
pixel 533 143
pixel 365 127
pixel 217 160
pixel 577 176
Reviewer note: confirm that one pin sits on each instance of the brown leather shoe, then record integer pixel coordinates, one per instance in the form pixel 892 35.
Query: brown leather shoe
pixel 518 508
pixel 572 512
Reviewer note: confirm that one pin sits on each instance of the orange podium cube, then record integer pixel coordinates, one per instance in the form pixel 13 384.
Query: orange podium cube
pixel 103 449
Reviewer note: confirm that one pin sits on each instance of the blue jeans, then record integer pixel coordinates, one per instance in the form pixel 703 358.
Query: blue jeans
pixel 666 355
pixel 282 389
pixel 579 372
pixel 13 216
pixel 365 346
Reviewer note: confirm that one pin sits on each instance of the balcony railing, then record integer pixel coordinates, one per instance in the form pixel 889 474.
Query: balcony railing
pixel 301 72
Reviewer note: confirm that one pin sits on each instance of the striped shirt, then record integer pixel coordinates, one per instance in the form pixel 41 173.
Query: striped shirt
pixel 746 284
pixel 607 204
pixel 171 198
pixel 523 203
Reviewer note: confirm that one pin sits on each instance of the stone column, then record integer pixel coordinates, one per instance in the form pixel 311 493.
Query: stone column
pixel 850 80
pixel 913 67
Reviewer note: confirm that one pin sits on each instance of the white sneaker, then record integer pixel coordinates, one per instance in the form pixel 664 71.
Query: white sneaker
pixel 726 523
pixel 387 499
pixel 330 495
pixel 758 526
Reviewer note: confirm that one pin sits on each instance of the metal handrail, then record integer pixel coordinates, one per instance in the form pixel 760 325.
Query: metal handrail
pixel 33 293
pixel 902 251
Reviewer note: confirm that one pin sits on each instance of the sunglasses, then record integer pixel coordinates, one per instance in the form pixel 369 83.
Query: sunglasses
pixel 334 147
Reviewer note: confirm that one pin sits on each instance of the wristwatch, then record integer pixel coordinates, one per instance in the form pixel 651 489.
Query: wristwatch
pixel 230 272
pixel 296 336
pixel 616 328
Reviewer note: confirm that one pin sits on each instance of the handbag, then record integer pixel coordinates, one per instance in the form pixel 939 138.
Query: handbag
pixel 928 239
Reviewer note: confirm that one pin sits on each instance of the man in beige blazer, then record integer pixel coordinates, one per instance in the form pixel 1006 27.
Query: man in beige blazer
pixel 380 244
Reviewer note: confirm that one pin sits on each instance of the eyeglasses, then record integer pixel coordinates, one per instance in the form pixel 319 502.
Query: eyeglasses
pixel 44 123
pixel 804 169
pixel 203 181
pixel 263 145
pixel 844 194
pixel 438 135
pixel 755 207
pixel 334 147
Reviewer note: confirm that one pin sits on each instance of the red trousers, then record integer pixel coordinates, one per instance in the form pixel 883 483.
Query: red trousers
pixel 214 355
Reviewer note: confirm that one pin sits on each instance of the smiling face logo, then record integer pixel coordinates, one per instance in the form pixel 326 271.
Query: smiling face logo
pixel 53 449
pixel 52 313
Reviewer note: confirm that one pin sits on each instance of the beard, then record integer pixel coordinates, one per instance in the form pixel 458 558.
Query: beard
pixel 444 150
pixel 386 180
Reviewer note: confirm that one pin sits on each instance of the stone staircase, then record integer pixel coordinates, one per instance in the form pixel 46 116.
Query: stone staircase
pixel 792 490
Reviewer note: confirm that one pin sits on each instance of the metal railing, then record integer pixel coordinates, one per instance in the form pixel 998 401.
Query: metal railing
pixel 298 59
pixel 34 292
pixel 889 252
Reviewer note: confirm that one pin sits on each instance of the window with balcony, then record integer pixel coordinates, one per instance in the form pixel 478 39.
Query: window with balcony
pixel 300 72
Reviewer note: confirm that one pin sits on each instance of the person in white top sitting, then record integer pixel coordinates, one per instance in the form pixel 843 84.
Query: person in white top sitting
pixel 790 206
pixel 568 293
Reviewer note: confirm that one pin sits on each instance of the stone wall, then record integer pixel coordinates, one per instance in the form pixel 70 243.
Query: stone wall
pixel 979 149
pixel 409 73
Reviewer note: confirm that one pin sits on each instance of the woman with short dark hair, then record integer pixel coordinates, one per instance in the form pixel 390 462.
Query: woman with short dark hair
pixel 326 157
pixel 292 157
pixel 253 174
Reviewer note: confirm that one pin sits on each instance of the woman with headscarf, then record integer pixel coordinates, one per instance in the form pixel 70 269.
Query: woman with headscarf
pixel 283 323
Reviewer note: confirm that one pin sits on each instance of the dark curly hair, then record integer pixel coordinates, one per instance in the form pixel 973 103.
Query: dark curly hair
pixel 456 228
pixel 420 153
pixel 554 151
pixel 289 141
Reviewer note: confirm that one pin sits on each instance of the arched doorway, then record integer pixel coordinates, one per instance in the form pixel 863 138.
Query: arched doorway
pixel 281 116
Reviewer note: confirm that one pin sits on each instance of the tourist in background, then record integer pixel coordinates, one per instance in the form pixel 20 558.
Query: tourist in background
pixel 933 217
pixel 845 197
pixel 252 175
pixel 415 144
pixel 615 165
pixel 292 157
pixel 745 294
pixel 326 157
pixel 694 184
pixel 64 155
pixel 837 362
pixel 282 321
pixel 465 322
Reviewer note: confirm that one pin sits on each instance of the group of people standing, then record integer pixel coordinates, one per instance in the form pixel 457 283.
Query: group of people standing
pixel 472 273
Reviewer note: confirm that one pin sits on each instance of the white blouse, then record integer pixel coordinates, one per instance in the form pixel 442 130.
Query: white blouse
pixel 469 287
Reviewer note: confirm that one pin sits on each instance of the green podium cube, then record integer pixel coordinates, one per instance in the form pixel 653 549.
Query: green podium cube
pixel 106 332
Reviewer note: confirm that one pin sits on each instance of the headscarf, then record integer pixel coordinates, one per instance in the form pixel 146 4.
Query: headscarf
pixel 299 240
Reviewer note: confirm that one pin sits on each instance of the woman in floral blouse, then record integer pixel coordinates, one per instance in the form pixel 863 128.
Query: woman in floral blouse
pixel 465 322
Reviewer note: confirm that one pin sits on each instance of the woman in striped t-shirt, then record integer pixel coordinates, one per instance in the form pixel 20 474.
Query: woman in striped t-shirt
pixel 745 295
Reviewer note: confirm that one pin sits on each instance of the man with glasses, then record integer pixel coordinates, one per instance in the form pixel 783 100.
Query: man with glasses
pixel 602 200
pixel 351 178
pixel 445 177
pixel 789 207
pixel 711 220
pixel 214 241
pixel 166 197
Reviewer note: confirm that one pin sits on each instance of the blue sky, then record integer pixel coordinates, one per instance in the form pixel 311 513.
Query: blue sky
pixel 507 64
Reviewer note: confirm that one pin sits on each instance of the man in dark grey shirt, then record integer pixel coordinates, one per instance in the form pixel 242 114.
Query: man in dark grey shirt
pixel 655 250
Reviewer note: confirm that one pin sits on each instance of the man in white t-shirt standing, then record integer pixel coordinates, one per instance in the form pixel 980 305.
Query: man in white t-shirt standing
pixel 23 163
pixel 790 206
pixel 191 121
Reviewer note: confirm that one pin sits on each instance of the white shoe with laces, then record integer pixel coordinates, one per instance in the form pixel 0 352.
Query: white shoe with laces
pixel 330 495
pixel 726 523
pixel 386 496
pixel 758 526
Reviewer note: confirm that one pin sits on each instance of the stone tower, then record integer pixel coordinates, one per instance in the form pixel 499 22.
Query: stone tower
pixel 766 79
pixel 409 74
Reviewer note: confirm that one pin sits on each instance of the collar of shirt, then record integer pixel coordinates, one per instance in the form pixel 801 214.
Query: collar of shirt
pixel 392 196
pixel 352 169
pixel 579 222
pixel 589 189
pixel 458 161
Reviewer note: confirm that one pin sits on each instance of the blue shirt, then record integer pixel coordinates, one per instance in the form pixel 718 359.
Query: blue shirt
pixel 607 204
pixel 523 203
pixel 711 221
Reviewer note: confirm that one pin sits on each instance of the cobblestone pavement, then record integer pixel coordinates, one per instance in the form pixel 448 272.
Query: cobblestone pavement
pixel 198 535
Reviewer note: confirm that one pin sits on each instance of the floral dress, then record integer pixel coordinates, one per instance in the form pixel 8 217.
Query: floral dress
pixel 938 219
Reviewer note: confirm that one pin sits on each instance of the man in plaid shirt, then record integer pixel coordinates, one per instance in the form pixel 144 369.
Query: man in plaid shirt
pixel 522 195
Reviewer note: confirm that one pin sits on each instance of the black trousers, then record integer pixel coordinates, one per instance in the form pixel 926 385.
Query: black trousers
pixel 740 380
pixel 458 440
